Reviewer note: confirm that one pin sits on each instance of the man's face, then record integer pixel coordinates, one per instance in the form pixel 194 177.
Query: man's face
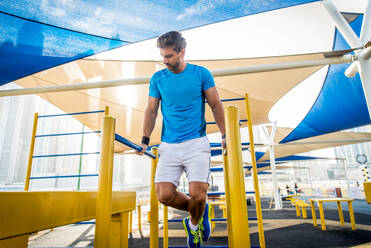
pixel 171 58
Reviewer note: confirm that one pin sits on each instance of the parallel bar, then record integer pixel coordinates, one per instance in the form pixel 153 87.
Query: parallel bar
pixel 65 155
pixel 66 176
pixel 154 229
pixel 255 175
pixel 231 99
pixel 77 113
pixel 216 73
pixel 213 122
pixel 235 181
pixel 223 193
pixel 65 134
pixel 104 197
pixel 30 155
pixel 221 168
pixel 165 228
pixel 130 144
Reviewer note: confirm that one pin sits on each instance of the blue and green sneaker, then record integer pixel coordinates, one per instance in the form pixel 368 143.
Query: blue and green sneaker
pixel 193 237
pixel 205 223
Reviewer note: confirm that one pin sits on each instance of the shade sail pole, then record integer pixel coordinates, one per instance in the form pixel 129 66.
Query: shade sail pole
pixel 348 58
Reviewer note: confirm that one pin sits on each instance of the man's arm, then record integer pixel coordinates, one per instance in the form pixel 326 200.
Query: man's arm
pixel 150 116
pixel 216 106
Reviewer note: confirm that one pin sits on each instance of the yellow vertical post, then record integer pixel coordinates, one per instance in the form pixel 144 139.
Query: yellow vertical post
pixel 212 217
pixel 341 217
pixel 255 175
pixel 104 196
pixel 304 212
pixel 139 218
pixel 154 204
pixel 322 215
pixel 106 110
pixel 236 183
pixel 313 213
pixel 124 230
pixel 165 229
pixel 351 215
pixel 227 199
pixel 119 231
pixel 30 155
pixel 131 221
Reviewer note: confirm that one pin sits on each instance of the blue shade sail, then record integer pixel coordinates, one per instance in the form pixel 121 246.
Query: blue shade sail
pixel 28 47
pixel 340 105
pixel 37 35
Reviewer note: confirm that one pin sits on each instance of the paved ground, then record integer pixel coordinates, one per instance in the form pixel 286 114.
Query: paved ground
pixel 282 229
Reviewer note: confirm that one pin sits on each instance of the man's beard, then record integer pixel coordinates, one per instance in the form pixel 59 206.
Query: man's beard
pixel 173 67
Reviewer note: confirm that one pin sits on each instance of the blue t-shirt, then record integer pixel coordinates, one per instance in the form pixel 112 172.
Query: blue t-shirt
pixel 182 101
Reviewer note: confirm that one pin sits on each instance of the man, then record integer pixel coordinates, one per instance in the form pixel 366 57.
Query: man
pixel 182 89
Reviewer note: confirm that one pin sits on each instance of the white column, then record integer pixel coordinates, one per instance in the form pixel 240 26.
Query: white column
pixel 277 196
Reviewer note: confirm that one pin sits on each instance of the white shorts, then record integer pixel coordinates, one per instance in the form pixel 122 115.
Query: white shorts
pixel 192 156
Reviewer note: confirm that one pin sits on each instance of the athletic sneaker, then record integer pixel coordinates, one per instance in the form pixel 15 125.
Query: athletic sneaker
pixel 205 223
pixel 193 237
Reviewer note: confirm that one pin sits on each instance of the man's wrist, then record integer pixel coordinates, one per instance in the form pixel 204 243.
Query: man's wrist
pixel 145 140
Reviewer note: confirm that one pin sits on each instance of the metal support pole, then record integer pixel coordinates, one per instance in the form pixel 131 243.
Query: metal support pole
pixel 255 175
pixel 227 198
pixel 346 178
pixel 216 73
pixel 165 239
pixel 30 155
pixel 80 161
pixel 106 110
pixel 154 203
pixel 277 196
pixel 234 176
pixel 104 196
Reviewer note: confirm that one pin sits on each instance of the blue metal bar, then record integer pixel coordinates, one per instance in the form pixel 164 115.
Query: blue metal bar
pixel 231 99
pixel 130 144
pixel 85 222
pixel 217 246
pixel 223 193
pixel 61 134
pixel 221 168
pixel 77 113
pixel 66 176
pixel 65 155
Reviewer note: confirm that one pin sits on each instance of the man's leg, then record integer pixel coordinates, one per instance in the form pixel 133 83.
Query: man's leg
pixel 167 195
pixel 196 203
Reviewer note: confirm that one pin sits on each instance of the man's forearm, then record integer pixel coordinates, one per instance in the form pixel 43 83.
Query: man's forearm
pixel 149 123
pixel 218 112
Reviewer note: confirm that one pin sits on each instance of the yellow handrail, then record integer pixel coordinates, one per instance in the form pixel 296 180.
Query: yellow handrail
pixel 30 155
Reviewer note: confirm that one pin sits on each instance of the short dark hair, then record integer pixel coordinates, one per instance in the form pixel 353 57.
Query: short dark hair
pixel 172 39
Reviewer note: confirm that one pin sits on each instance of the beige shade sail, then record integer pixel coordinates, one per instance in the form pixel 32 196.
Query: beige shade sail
pixel 127 103
pixel 313 143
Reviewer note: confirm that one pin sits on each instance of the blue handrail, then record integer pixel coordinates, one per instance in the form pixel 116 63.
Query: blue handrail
pixel 77 113
pixel 130 144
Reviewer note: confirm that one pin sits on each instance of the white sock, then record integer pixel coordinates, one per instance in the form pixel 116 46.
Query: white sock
pixel 193 227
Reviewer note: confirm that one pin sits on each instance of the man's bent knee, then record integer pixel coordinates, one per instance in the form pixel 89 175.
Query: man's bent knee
pixel 166 194
pixel 198 199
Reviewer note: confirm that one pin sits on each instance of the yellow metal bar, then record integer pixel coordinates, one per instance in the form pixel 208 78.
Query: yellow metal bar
pixel 124 229
pixel 367 187
pixel 119 230
pixel 104 198
pixel 304 212
pixel 46 210
pixel 32 148
pixel 313 213
pixel 351 215
pixel 341 217
pixel 236 183
pixel 212 217
pixel 297 209
pixel 153 240
pixel 322 215
pixel 139 218
pixel 227 199
pixel 131 222
pixel 165 229
pixel 255 175
pixel 106 110
pixel 18 242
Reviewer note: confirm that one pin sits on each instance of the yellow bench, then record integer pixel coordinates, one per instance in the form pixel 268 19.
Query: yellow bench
pixel 23 213
pixel 298 203
pixel 322 214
